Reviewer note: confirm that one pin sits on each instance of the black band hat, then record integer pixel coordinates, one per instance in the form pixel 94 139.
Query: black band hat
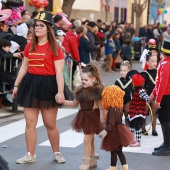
pixel 45 16
pixel 165 48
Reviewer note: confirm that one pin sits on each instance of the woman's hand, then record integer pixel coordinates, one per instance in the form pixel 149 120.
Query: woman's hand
pixel 158 106
pixel 14 92
pixel 59 97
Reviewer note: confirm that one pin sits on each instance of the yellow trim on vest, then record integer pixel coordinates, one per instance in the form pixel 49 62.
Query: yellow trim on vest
pixel 35 59
pixel 36 65
pixel 36 54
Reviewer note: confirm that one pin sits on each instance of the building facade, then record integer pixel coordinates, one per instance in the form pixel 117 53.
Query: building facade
pixel 107 10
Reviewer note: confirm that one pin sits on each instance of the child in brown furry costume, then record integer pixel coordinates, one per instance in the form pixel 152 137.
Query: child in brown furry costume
pixel 91 113
pixel 115 135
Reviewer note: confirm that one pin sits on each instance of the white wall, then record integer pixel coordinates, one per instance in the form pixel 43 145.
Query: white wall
pixel 86 4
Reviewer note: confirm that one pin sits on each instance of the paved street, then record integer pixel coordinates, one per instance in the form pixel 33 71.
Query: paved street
pixel 12 143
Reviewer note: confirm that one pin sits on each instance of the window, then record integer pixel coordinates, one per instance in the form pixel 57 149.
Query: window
pixel 116 15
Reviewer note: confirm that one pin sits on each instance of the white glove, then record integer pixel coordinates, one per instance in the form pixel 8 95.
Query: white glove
pixel 102 134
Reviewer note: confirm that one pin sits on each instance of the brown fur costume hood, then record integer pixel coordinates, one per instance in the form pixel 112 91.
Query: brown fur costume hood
pixel 90 93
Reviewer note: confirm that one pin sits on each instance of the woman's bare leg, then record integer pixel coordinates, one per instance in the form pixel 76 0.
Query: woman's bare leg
pixel 49 118
pixel 31 117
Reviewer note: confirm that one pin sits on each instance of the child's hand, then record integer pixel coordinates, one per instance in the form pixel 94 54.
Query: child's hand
pixel 59 97
pixel 102 134
pixel 18 55
pixel 102 120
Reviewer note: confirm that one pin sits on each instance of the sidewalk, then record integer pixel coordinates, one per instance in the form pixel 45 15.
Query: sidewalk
pixel 107 78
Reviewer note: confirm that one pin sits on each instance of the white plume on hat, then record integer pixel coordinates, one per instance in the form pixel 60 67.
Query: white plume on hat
pixel 22 30
pixel 60 32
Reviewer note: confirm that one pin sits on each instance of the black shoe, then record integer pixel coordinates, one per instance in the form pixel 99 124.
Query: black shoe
pixel 159 147
pixel 154 133
pixel 6 102
pixel 144 132
pixel 162 152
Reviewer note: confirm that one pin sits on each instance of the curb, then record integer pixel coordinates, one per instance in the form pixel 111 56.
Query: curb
pixel 7 112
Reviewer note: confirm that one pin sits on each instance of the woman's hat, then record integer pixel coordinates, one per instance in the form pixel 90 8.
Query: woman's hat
pixel 45 16
pixel 165 48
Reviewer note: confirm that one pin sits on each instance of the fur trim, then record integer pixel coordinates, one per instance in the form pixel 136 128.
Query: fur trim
pixel 90 93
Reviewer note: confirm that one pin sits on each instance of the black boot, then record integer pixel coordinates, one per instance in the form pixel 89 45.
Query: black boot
pixel 161 146
pixel 165 151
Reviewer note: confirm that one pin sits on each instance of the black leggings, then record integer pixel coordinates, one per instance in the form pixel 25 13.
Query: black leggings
pixel 120 155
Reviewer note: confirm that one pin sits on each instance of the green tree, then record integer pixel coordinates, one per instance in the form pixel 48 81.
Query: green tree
pixel 67 7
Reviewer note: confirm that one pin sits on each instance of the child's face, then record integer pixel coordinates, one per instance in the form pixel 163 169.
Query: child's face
pixel 154 52
pixel 6 49
pixel 152 63
pixel 162 56
pixel 60 38
pixel 87 80
pixel 123 71
pixel 150 45
pixel 29 37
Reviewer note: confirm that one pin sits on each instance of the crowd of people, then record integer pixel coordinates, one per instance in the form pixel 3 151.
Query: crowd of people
pixel 40 44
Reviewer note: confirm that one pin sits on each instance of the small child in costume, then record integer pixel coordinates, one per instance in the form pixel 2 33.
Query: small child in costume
pixel 115 135
pixel 150 76
pixel 126 86
pixel 151 44
pixel 91 113
pixel 137 111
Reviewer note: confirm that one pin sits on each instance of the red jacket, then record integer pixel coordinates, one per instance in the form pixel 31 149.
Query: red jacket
pixel 162 86
pixel 71 43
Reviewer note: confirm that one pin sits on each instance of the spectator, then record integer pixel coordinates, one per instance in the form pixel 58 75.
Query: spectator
pixel 85 46
pixel 34 14
pixel 4 74
pixel 29 36
pixel 91 28
pixel 57 22
pixel 25 12
pixel 127 36
pixel 19 40
pixel 4 34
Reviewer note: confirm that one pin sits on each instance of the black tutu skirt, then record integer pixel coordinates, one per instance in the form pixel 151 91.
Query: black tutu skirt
pixel 119 136
pixel 87 122
pixel 38 91
pixel 3 164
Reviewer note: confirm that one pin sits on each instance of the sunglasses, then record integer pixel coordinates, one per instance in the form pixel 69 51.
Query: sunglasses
pixel 40 26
